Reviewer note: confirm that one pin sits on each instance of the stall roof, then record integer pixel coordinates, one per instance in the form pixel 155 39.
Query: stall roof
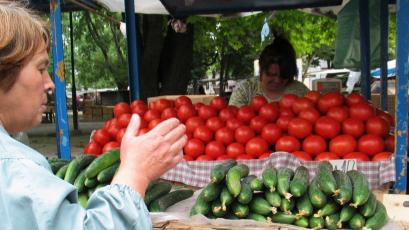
pixel 67 5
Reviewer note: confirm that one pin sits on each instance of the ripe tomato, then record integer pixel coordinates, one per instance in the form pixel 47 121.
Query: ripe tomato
pixel 182 100
pixel 326 156
pixel 218 103
pixel 108 123
pixel 234 109
pixel 192 123
pixel 243 134
pixel 353 127
pixel 378 126
pixel 138 107
pixel 257 123
pixel 194 148
pixel 110 145
pixel 235 149
pixel 169 113
pixel 301 104
pixel 310 114
pixel 121 108
pixel 371 144
pixel 162 104
pixel 186 111
pixel 152 124
pixel 203 133
pixel 287 101
pixel 198 106
pixel 204 158
pixel 327 127
pixel 342 145
pixel 101 136
pixel 257 102
pixel 269 112
pixel 313 96
pixel 382 156
pixel 301 155
pixel 120 135
pixel 224 135
pixel 390 143
pixel 113 130
pixel 314 144
pixel 206 112
pixel 361 111
pixel 124 119
pixel 354 98
pixel 256 146
pixel 215 149
pixel 142 131
pixel 264 156
pixel 151 114
pixel 386 116
pixel 226 114
pixel 93 148
pixel 215 123
pixel 188 158
pixel 286 112
pixel 287 144
pixel 271 132
pixel 299 128
pixel 329 100
pixel 223 157
pixel 244 157
pixel 245 114
pixel 339 113
pixel 282 122
pixel 233 124
pixel 357 156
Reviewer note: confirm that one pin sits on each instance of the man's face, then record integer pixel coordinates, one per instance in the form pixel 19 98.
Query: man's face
pixel 271 80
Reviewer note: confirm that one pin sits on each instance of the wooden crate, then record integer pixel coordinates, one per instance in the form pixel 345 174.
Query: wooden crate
pixel 179 225
pixel 107 112
pixel 376 100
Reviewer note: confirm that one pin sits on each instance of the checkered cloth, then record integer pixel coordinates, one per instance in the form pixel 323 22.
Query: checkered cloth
pixel 197 173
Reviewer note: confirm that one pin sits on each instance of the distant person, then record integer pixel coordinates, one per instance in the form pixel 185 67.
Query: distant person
pixel 278 69
pixel 201 90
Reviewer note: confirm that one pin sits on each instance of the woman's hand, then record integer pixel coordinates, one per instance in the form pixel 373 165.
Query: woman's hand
pixel 146 157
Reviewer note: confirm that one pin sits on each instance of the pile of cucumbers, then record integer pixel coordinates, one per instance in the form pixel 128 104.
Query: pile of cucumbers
pixel 88 173
pixel 332 200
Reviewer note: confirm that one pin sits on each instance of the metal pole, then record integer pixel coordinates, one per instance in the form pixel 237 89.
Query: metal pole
pixel 73 88
pixel 133 76
pixel 62 131
pixel 365 46
pixel 402 65
pixel 384 53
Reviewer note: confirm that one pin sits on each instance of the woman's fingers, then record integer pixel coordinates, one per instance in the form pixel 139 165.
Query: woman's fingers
pixel 133 127
pixel 164 127
pixel 178 145
pixel 176 133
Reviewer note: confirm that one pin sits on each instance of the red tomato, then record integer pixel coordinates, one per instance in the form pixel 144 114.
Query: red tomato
pixel 162 104
pixel 226 114
pixel 142 131
pixel 203 133
pixel 371 144
pixel 257 123
pixel 271 132
pixel 287 101
pixel 310 114
pixel 326 156
pixel 218 103
pixel 113 130
pixel 287 144
pixel 234 109
pixel 299 128
pixel 215 123
pixel 188 158
pixel 224 135
pixel 151 114
pixel 382 156
pixel 108 123
pixel 327 127
pixel 139 107
pixel 169 113
pixel 301 104
pixel 143 124
pixel 243 134
pixel 245 114
pixel 286 112
pixel 269 112
pixel 121 108
pixel 194 148
pixel 120 135
pixel 235 149
pixel 233 124
pixel 182 100
pixel 206 112
pixel 390 143
pixel 314 144
pixel 189 135
pixel 198 106
pixel 353 127
pixel 215 149
pixel 378 126
pixel 110 145
pixel 244 157
pixel 124 119
pixel 313 96
pixel 257 102
pixel 329 100
pixel 361 111
pixel 154 123
pixel 264 156
pixel 342 145
pixel 204 158
pixel 282 122
pixel 357 156
pixel 223 157
pixel 186 111
pixel 192 123
pixel 256 146
pixel 354 98
pixel 339 113
pixel 101 136
pixel 93 148
pixel 386 116
pixel 302 155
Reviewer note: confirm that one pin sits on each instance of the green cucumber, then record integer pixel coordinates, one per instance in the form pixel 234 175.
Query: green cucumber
pixel 284 176
pixel 258 217
pixel 283 218
pixel 217 209
pixel 150 185
pixel 56 165
pixel 240 210
pixel 246 194
pixel 260 206
pixel 211 192
pixel 233 178
pixel 61 172
pixel 102 162
pixel 325 179
pixel 316 222
pixel 255 183
pixel 101 186
pixel 357 221
pixel 302 222
pixel 287 205
pixel 369 208
pixel 360 185
pixel 80 181
pixel 273 198
pixel 107 174
pixel 230 216
pixel 330 208
pixel 317 197
pixel 218 173
pixel 304 207
pixel 226 198
pixel 90 191
pixel 158 190
pixel 347 212
pixel 379 219
pixel 331 221
pixel 269 176
pixel 83 199
pixel 76 166
pixel 163 202
pixel 345 187
pixel 200 207
pixel 299 184
pixel 90 182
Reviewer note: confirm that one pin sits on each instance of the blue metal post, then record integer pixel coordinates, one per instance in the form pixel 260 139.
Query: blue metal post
pixel 384 16
pixel 62 131
pixel 402 64
pixel 365 46
pixel 133 76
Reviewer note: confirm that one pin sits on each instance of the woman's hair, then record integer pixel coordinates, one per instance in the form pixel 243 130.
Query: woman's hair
pixel 22 33
pixel 282 53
